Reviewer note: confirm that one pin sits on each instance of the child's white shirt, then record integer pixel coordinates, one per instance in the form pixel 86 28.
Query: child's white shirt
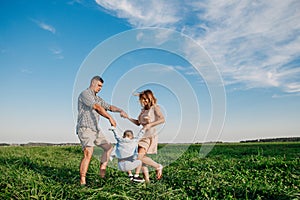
pixel 126 147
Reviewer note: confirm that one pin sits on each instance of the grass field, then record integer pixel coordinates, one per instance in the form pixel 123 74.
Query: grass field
pixel 229 171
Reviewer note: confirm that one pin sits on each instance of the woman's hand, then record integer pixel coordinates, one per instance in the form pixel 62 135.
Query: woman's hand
pixel 123 114
pixel 146 127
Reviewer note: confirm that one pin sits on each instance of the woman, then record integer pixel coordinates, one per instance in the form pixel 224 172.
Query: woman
pixel 149 117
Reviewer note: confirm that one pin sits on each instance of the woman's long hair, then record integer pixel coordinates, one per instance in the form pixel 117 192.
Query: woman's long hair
pixel 147 94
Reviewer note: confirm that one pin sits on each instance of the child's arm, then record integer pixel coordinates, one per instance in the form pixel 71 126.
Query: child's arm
pixel 113 129
pixel 140 134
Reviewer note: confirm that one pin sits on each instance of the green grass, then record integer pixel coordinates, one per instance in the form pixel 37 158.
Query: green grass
pixel 229 171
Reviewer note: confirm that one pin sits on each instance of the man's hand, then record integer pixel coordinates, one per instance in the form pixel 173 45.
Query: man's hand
pixel 116 109
pixel 112 122
pixel 103 112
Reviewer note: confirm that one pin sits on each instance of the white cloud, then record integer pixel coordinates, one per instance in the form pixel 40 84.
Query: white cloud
pixel 143 13
pixel 253 43
pixel 258 40
pixel 45 26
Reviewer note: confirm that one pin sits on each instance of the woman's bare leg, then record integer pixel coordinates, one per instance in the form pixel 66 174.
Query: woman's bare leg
pixel 146 173
pixel 158 167
pixel 148 161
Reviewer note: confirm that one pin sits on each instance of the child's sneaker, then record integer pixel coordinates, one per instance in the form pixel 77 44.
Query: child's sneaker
pixel 130 177
pixel 138 179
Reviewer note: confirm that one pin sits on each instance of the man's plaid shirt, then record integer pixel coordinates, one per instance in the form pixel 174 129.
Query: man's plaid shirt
pixel 87 116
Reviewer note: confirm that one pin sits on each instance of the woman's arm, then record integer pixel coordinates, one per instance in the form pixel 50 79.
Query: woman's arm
pixel 134 121
pixel 159 118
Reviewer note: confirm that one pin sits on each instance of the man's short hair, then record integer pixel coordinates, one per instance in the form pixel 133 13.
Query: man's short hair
pixel 97 78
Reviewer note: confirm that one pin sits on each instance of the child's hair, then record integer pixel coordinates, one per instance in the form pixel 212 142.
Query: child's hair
pixel 128 133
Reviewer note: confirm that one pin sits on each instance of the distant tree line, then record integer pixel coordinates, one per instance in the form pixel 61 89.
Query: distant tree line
pixel 287 139
pixel 40 144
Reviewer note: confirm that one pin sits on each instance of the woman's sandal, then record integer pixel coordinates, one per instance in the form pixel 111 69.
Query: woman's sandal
pixel 159 172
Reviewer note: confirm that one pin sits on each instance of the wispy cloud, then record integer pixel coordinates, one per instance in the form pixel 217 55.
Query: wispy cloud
pixel 26 71
pixel 253 43
pixel 57 53
pixel 72 2
pixel 45 26
pixel 164 69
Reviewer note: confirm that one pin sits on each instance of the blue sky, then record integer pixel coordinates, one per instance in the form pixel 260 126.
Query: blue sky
pixel 46 48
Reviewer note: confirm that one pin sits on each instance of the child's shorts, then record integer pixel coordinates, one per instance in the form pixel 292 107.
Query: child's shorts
pixel 127 165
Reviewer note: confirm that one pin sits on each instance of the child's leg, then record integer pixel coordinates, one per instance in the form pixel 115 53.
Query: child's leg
pixel 130 176
pixel 137 165
pixel 129 173
pixel 138 169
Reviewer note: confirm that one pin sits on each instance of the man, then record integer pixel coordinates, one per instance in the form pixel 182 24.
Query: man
pixel 90 107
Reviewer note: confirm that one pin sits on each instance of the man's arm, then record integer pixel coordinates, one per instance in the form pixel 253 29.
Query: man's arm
pixel 110 107
pixel 113 108
pixel 99 109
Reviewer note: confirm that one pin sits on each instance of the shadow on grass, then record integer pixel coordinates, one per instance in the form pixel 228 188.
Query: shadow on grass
pixel 63 175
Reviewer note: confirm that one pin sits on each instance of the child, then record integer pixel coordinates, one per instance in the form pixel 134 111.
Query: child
pixel 126 152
